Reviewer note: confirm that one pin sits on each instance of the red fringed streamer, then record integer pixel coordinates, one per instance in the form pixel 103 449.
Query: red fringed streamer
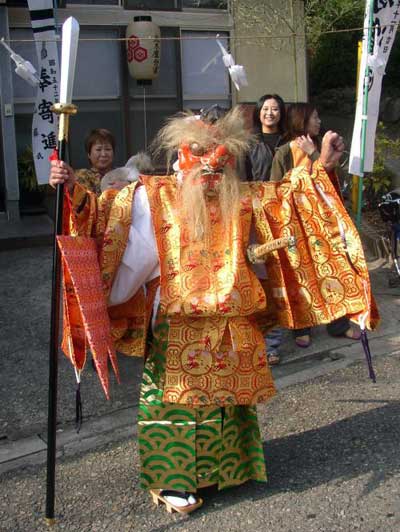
pixel 85 308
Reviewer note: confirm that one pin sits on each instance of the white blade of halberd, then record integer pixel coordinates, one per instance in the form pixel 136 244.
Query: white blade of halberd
pixel 69 49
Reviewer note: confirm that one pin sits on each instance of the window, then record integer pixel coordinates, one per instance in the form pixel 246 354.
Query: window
pixel 93 2
pixel 206 4
pixel 97 91
pixel 97 72
pixel 152 4
pixel 205 79
pixel 97 68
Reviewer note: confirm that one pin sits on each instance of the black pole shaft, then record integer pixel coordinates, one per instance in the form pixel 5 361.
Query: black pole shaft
pixel 53 349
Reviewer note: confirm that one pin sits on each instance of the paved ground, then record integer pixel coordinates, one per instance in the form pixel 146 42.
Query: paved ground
pixel 24 328
pixel 332 454
pixel 332 442
pixel 30 231
pixel 25 276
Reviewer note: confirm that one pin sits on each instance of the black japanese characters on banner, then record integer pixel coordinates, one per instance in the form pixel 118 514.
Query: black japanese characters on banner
pixel 44 122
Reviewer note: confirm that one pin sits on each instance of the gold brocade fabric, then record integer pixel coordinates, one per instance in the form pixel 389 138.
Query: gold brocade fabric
pixel 85 311
pixel 108 219
pixel 208 277
pixel 185 448
pixel 325 276
pixel 300 157
pixel 211 295
pixel 301 161
pixel 220 361
pixel 215 354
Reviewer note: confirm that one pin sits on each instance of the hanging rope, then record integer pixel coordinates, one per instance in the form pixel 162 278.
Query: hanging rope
pixel 236 38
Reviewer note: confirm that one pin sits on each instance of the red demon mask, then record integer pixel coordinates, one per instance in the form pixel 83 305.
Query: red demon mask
pixel 211 162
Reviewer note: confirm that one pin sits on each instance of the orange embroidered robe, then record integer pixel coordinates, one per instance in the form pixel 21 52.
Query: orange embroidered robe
pixel 108 219
pixel 216 354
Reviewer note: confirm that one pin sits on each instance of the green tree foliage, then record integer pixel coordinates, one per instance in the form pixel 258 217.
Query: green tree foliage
pixel 323 16
pixel 333 56
pixel 332 27
pixel 26 170
pixel 379 181
pixel 392 77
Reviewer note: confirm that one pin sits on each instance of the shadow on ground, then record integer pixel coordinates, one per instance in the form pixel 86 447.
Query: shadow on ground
pixel 364 444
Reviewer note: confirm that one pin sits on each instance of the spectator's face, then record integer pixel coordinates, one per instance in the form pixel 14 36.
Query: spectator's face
pixel 101 156
pixel 270 116
pixel 314 124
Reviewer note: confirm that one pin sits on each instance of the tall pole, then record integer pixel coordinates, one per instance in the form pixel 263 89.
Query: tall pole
pixel 354 185
pixel 294 36
pixel 64 111
pixel 70 36
pixel 53 360
pixel 364 118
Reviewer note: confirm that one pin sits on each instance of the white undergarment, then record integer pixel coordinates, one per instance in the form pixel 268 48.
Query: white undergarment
pixel 139 263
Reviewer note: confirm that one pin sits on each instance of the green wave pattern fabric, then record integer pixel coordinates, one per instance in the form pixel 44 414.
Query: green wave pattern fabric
pixel 183 448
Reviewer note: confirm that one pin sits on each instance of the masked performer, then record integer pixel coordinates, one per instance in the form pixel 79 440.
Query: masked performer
pixel 181 291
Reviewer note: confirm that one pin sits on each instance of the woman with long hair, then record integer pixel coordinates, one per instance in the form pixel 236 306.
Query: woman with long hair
pixel 269 126
pixel 302 149
pixel 302 140
pixel 269 119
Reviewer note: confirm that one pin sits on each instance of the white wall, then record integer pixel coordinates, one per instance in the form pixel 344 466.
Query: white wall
pixel 272 65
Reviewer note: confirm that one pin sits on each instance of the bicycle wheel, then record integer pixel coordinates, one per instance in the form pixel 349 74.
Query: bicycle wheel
pixel 394 280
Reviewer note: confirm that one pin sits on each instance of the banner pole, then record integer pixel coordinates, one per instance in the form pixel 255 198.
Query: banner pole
pixel 354 187
pixel 364 118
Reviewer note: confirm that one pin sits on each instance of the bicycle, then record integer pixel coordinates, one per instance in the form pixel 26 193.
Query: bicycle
pixel 389 209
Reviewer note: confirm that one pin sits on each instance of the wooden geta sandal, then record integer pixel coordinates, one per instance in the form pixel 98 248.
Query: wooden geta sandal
pixel 159 497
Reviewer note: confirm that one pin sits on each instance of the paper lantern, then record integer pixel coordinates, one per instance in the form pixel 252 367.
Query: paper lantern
pixel 143 49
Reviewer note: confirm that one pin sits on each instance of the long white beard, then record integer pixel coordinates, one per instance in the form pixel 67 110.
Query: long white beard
pixel 195 199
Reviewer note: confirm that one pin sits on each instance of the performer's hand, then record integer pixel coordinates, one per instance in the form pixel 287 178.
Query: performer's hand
pixel 331 150
pixel 306 144
pixel 61 172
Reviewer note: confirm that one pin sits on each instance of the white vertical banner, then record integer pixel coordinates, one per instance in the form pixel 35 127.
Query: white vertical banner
pixel 386 17
pixel 44 123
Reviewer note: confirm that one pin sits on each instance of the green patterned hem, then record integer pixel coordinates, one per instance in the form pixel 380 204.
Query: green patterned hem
pixel 182 448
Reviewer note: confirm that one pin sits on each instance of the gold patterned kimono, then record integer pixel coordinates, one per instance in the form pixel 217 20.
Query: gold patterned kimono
pixel 216 352
pixel 206 365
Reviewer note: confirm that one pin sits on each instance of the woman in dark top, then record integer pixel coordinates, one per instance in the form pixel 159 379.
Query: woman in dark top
pixel 269 118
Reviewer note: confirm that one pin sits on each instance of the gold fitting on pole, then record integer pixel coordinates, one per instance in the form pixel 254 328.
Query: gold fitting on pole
pixel 50 521
pixel 64 108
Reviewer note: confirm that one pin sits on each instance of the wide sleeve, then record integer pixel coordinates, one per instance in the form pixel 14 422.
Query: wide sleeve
pixel 325 275
pixel 333 176
pixel 139 262
pixel 80 212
